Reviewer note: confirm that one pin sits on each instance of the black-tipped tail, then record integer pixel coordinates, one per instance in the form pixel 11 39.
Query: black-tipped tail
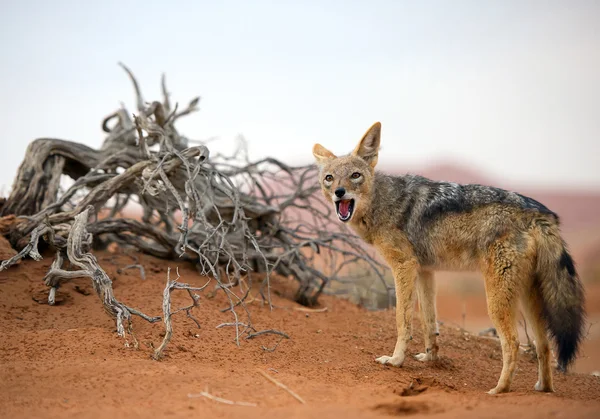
pixel 563 300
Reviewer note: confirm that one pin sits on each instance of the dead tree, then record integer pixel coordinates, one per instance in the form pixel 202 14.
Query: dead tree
pixel 229 216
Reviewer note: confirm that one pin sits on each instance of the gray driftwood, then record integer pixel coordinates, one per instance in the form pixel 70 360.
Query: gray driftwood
pixel 229 216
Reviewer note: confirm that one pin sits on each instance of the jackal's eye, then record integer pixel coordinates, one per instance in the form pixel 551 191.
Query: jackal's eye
pixel 355 175
pixel 328 178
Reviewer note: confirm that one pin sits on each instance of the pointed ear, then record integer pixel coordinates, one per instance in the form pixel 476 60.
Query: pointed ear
pixel 368 148
pixel 322 154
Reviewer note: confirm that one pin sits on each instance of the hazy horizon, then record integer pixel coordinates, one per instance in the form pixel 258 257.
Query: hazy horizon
pixel 505 88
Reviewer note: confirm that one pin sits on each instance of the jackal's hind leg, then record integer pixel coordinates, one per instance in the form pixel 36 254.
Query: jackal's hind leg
pixel 502 283
pixel 426 294
pixel 532 303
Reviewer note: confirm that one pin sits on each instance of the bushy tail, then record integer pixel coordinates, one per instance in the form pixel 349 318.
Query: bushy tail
pixel 562 294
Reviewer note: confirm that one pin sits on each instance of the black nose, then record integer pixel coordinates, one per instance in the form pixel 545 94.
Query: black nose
pixel 339 192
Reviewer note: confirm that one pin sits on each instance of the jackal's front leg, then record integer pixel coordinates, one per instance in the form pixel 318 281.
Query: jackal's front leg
pixel 405 275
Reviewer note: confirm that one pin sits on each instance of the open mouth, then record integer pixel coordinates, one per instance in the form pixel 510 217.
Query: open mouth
pixel 344 208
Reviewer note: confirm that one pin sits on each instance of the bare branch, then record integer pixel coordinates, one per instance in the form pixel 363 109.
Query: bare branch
pixel 206 394
pixel 283 386
pixel 167 314
pixel 135 266
pixel 229 216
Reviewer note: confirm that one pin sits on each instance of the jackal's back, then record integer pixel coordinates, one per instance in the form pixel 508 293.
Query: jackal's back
pixel 427 211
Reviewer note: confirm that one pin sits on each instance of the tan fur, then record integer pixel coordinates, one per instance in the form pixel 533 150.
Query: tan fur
pixel 507 261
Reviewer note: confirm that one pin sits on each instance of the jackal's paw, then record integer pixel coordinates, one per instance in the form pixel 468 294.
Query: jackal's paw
pixel 543 387
pixel 429 356
pixel 395 361
pixel 498 390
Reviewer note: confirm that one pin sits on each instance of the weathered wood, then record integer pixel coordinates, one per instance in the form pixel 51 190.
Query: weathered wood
pixel 227 215
pixel 38 176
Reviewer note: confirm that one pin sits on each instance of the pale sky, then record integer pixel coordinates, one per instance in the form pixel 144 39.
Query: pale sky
pixel 508 87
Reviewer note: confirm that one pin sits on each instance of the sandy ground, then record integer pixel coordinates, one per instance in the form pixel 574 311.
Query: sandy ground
pixel 67 361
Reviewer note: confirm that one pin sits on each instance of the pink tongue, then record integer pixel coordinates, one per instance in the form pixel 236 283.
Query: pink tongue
pixel 344 208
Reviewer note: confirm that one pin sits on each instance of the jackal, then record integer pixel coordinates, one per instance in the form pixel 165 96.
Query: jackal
pixel 420 226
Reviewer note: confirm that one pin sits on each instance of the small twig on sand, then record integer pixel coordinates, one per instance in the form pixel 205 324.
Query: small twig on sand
pixel 206 394
pixel 530 346
pixel 489 332
pixel 281 385
pixel 529 342
pixel 269 331
pixel 135 266
pixel 311 310
pixel 264 348
pixel 590 325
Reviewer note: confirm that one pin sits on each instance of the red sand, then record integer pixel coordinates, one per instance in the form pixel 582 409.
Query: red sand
pixel 67 361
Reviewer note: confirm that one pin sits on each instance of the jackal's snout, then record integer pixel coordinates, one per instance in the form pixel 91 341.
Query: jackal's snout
pixel 340 192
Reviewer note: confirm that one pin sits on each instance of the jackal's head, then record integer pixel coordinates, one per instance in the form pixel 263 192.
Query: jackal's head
pixel 347 181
